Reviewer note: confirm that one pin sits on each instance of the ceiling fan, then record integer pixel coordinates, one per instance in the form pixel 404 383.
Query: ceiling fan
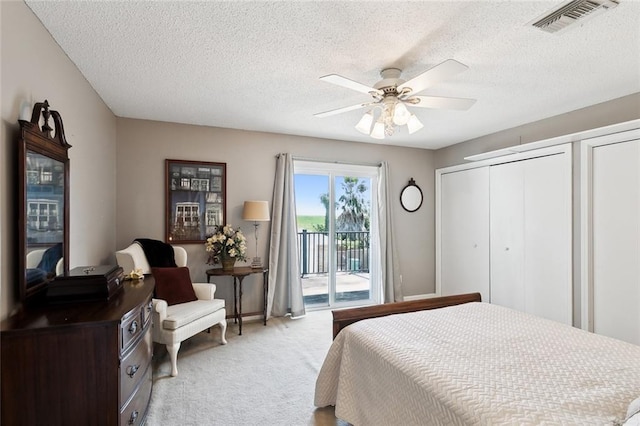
pixel 392 95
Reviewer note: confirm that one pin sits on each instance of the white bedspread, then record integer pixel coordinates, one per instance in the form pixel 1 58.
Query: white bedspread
pixel 476 364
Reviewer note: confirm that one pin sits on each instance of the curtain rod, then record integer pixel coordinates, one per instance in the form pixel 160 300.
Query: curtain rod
pixel 320 160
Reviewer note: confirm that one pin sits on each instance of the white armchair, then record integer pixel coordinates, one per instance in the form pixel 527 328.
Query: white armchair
pixel 36 273
pixel 171 324
pixel 35 256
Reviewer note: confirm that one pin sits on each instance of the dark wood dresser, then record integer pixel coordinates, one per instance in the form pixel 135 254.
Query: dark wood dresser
pixel 82 363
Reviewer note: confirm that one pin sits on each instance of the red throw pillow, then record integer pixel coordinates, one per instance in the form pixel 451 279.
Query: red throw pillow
pixel 174 285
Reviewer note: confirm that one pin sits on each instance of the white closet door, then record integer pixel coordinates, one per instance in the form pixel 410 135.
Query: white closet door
pixel 531 236
pixel 616 240
pixel 507 227
pixel 464 227
pixel 547 238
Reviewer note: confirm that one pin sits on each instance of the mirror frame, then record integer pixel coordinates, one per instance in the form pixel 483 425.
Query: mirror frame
pixel 37 138
pixel 405 192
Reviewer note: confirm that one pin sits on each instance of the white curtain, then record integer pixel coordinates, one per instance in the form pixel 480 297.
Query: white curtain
pixel 285 285
pixel 389 269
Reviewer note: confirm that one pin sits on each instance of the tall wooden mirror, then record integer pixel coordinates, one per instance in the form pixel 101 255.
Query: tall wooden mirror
pixel 43 202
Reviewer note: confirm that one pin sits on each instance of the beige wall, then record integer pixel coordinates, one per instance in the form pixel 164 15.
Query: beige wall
pixel 143 147
pixel 34 68
pixel 615 111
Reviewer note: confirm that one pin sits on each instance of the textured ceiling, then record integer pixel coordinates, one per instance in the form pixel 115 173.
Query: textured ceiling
pixel 255 65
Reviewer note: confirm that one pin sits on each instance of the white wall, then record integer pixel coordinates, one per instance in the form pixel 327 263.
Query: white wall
pixel 143 147
pixel 34 68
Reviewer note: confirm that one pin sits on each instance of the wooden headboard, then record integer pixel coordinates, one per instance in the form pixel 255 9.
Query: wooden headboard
pixel 344 317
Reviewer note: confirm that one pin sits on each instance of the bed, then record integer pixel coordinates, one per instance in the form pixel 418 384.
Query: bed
pixel 475 363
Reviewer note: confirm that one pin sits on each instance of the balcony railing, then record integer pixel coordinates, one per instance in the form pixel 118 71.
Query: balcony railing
pixel 352 254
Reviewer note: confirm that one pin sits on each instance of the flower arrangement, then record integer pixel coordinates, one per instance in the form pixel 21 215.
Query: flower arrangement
pixel 226 243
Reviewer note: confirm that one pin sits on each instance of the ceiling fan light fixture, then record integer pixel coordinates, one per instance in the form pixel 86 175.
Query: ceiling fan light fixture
pixel 378 130
pixel 364 125
pixel 413 124
pixel 394 95
pixel 401 114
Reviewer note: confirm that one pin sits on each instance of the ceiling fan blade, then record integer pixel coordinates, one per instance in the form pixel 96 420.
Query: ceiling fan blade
pixel 344 109
pixel 433 75
pixel 440 102
pixel 349 84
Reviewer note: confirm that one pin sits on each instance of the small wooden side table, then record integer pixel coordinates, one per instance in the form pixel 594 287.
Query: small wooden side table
pixel 238 274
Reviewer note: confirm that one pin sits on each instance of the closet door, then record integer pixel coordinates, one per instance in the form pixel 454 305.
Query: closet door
pixel 531 236
pixel 507 235
pixel 547 238
pixel 616 240
pixel 464 232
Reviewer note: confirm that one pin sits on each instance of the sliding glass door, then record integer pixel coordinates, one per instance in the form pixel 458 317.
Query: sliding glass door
pixel 335 218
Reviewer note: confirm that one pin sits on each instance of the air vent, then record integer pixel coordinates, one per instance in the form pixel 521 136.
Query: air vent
pixel 569 13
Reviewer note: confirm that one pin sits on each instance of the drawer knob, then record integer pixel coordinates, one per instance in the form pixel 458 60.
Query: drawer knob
pixel 132 419
pixel 133 327
pixel 132 369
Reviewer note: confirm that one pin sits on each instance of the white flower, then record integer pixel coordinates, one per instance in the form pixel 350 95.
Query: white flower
pixel 226 242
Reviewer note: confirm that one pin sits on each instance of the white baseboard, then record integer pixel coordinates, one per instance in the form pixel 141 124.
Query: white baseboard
pixel 420 296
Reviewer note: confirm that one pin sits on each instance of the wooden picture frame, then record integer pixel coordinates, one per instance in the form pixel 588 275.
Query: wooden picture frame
pixel 196 200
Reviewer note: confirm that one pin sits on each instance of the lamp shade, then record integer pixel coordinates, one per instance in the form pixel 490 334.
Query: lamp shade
pixel 401 114
pixel 256 211
pixel 364 125
pixel 378 130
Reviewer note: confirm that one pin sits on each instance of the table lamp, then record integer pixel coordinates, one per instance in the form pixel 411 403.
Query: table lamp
pixel 256 211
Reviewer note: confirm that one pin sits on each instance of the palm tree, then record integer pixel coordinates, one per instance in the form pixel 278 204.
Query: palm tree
pixel 354 214
pixel 354 209
pixel 324 199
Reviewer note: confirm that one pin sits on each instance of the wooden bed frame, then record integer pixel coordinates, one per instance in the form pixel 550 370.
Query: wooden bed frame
pixel 344 317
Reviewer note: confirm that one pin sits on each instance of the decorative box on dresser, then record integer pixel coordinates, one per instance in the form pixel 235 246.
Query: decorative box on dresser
pixel 79 363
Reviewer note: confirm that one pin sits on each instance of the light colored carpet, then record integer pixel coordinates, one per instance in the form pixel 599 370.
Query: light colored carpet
pixel 264 377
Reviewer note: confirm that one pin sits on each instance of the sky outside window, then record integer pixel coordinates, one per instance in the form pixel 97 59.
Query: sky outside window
pixel 308 189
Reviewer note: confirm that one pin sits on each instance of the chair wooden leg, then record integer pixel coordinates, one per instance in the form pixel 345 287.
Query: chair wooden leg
pixel 223 331
pixel 173 355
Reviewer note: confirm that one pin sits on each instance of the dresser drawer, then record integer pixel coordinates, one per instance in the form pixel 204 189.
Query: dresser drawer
pixel 63 364
pixel 134 366
pixel 147 308
pixel 131 328
pixel 135 411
